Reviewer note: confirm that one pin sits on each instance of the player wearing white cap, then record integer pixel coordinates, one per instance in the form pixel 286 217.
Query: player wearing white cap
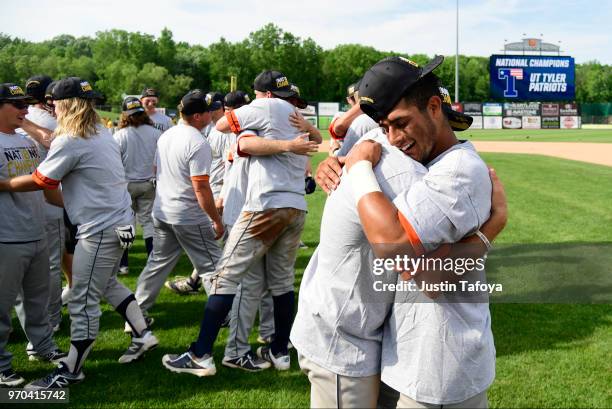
pixel 86 160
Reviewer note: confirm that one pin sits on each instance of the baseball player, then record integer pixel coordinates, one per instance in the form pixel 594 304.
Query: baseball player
pixel 41 114
pixel 86 160
pixel 137 139
pixel 270 223
pixel 417 114
pixel 23 248
pixel 351 126
pixel 184 213
pixel 336 142
pixel 150 99
pixel 252 291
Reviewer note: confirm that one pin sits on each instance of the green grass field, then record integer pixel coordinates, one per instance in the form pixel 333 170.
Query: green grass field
pixel 548 355
pixel 532 135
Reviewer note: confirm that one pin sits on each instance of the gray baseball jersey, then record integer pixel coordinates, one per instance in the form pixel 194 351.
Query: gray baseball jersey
pixel 220 144
pixel 359 127
pixel 43 118
pixel 442 352
pixel 181 154
pixel 235 185
pixel 76 162
pixel 138 146
pixel 340 315
pixel 275 181
pixel 161 121
pixel 21 213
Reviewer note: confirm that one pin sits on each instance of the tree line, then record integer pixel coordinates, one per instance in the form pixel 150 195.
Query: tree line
pixel 119 62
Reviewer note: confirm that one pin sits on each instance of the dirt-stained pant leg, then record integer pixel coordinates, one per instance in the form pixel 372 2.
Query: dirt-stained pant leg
pixel 251 237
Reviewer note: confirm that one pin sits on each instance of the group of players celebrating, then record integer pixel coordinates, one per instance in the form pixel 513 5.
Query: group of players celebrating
pixel 226 185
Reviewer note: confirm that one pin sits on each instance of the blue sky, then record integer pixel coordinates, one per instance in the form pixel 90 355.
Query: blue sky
pixel 405 26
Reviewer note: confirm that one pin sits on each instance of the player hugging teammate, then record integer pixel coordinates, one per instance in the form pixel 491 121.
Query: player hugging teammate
pixel 236 174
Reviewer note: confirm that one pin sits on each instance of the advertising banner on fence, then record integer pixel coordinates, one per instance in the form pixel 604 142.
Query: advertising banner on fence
pixel 472 108
pixel 532 78
pixel 550 109
pixel 328 108
pixel 512 122
pixel 477 124
pixel 550 122
pixel 570 122
pixel 532 122
pixel 492 122
pixel 491 109
pixel 569 109
pixel 521 108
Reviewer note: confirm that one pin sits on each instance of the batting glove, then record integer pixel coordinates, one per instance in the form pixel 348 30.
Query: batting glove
pixel 126 235
pixel 310 185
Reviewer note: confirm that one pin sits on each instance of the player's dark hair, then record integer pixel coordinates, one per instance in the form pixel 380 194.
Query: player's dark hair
pixel 422 91
pixel 135 120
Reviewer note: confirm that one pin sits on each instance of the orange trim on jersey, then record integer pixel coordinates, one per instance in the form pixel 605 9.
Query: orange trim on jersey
pixel 200 178
pixel 230 157
pixel 233 122
pixel 332 133
pixel 43 181
pixel 240 153
pixel 412 235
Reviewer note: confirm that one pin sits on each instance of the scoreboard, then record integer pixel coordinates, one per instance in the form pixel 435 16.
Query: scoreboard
pixel 532 78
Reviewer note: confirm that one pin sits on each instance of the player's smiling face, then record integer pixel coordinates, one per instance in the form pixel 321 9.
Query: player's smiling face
pixel 150 104
pixel 411 130
pixel 12 114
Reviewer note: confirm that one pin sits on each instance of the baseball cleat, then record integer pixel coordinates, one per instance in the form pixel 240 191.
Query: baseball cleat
pixel 61 377
pixel 54 356
pixel 247 362
pixel 280 362
pixel 185 363
pixel 268 340
pixel 10 378
pixel 139 346
pixel 124 270
pixel 128 330
pixel 184 286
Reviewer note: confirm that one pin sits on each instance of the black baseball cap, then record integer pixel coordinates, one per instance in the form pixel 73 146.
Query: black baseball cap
pixel 49 90
pixel 275 82
pixel 383 85
pixel 217 97
pixel 149 92
pixel 299 101
pixel 196 102
pixel 36 87
pixel 351 89
pixel 237 99
pixel 131 105
pixel 74 87
pixel 13 92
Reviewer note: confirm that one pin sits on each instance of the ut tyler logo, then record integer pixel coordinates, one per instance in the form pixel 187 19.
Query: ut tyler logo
pixel 510 75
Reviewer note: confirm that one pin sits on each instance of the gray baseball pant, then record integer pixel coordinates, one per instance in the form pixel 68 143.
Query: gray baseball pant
pixel 169 240
pixel 252 293
pixel 25 267
pixel 94 276
pixel 143 196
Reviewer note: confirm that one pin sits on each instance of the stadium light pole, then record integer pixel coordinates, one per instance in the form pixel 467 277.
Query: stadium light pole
pixel 457 57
